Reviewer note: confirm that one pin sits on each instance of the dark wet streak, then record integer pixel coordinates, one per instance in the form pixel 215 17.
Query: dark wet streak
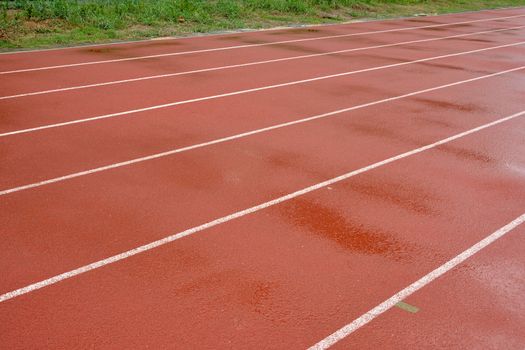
pixel 469 107
pixel 287 160
pixel 448 66
pixel 466 154
pixel 406 197
pixel 475 40
pixel 118 51
pixel 298 48
pixel 448 27
pixel 431 121
pixel 234 287
pixel 440 65
pixel 349 234
pixel 383 133
pixel 253 41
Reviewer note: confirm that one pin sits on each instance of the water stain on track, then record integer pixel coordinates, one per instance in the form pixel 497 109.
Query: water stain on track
pixel 383 132
pixel 302 49
pixel 431 121
pixel 452 67
pixel 196 172
pixel 442 66
pixel 468 107
pixel 185 260
pixel 122 51
pixel 419 48
pixel 234 287
pixel 257 295
pixel 466 154
pixel 343 89
pixel 409 198
pixel 363 41
pixel 109 52
pixel 203 273
pixel 349 234
pixel 284 160
pixel 373 60
pixel 445 28
pixel 475 40
pixel 254 41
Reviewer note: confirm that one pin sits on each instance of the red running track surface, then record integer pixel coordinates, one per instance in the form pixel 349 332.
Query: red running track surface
pixel 248 235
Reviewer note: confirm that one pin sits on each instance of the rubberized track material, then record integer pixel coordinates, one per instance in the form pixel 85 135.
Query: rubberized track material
pixel 345 186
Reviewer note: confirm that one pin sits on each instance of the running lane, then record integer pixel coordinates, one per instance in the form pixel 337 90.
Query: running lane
pixel 42 80
pixel 290 274
pixel 75 222
pixel 41 110
pixel 477 305
pixel 136 135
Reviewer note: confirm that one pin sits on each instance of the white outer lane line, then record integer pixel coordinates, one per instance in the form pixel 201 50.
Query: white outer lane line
pixel 240 92
pixel 78 87
pixel 253 45
pixel 245 134
pixel 236 215
pixel 414 287
pixel 240 31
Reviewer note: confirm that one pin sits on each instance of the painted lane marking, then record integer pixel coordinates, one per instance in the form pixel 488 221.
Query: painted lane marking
pixel 236 215
pixel 78 87
pixel 254 45
pixel 241 92
pixel 245 134
pixel 414 287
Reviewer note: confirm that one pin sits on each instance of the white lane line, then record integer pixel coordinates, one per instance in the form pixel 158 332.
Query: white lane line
pixel 254 45
pixel 78 87
pixel 236 32
pixel 245 134
pixel 240 92
pixel 236 215
pixel 423 281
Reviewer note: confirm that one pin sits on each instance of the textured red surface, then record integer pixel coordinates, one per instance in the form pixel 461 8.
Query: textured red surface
pixel 474 306
pixel 288 275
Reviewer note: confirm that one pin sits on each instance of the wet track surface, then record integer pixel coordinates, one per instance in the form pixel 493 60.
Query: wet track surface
pixel 263 190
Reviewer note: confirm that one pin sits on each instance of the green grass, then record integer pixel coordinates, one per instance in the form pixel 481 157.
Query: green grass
pixel 48 23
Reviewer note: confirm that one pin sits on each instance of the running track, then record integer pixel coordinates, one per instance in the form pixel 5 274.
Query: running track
pixel 276 189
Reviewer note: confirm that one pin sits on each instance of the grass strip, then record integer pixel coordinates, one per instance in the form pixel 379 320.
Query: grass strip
pixel 53 23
